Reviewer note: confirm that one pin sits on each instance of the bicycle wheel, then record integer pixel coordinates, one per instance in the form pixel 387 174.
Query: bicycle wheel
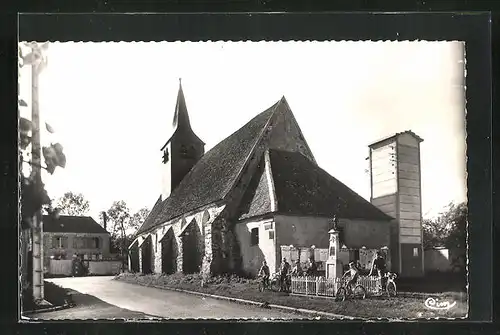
pixel 391 289
pixel 341 294
pixel 359 292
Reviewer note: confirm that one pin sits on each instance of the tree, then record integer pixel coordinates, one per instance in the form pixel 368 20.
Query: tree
pixel 138 219
pixel 33 194
pixel 34 197
pixel 73 204
pixel 118 217
pixel 457 217
pixel 434 232
pixel 449 229
pixel 122 225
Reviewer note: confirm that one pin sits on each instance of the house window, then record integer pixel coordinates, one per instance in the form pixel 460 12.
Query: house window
pixel 86 242
pixel 271 234
pixel 415 252
pixel 254 236
pixel 59 242
pixel 77 243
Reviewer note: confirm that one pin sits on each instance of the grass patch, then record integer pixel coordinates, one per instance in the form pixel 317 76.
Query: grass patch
pixel 407 305
pixel 55 294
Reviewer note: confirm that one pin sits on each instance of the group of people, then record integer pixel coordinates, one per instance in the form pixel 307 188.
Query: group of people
pixel 285 271
pixel 78 267
pixel 378 268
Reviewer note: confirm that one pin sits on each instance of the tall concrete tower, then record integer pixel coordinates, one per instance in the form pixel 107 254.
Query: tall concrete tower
pixel 395 176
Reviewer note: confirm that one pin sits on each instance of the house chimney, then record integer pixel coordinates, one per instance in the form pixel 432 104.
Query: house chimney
pixel 104 219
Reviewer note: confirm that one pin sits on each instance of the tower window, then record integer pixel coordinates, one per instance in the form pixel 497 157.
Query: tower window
pixel 187 151
pixel 165 156
pixel 415 252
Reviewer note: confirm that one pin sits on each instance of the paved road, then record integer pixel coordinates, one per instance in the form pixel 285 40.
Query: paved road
pixel 128 298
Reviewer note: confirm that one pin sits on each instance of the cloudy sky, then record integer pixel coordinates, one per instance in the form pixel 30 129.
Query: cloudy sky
pixel 112 103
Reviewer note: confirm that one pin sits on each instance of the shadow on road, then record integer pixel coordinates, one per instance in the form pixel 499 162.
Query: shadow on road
pixel 89 307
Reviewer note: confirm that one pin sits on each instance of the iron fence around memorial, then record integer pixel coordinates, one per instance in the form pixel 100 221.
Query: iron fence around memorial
pixel 321 286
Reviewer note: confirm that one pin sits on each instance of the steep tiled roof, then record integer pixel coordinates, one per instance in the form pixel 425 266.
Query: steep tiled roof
pixel 303 188
pixel 72 224
pixel 214 174
pixel 155 211
pixel 256 200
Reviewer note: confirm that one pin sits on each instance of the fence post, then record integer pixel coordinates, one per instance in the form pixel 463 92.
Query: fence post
pixel 317 285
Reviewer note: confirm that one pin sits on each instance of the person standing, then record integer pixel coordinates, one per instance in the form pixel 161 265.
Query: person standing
pixel 312 269
pixel 297 269
pixel 264 273
pixel 284 271
pixel 379 267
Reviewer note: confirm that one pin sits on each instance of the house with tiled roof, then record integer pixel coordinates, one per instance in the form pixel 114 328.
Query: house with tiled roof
pixel 66 236
pixel 257 190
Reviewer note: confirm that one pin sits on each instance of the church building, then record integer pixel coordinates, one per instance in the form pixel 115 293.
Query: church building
pixel 228 209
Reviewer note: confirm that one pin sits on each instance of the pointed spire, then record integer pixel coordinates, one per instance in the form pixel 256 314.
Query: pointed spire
pixel 181 117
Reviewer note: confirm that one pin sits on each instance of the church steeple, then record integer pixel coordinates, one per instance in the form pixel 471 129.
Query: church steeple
pixel 181 116
pixel 183 148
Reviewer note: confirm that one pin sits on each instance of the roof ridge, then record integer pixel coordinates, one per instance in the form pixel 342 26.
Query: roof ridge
pixel 215 174
pixel 252 151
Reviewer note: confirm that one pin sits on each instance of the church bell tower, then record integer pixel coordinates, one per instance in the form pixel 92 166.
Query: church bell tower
pixel 182 150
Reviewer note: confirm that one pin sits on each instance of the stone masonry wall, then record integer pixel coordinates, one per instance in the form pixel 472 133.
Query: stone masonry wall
pixel 140 260
pixel 204 220
pixel 157 253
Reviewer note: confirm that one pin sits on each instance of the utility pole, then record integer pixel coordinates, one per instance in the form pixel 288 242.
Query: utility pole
pixel 123 247
pixel 37 66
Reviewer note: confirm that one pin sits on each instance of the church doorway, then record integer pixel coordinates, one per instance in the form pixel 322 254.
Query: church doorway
pixel 147 255
pixel 191 253
pixel 134 258
pixel 169 253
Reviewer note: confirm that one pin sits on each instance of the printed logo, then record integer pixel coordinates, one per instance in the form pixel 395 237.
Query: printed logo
pixel 436 304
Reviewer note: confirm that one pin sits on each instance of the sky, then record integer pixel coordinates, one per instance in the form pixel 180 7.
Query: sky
pixel 111 105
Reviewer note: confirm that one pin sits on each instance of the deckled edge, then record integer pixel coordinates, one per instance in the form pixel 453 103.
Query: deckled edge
pixel 415 40
pixel 152 319
pixel 464 84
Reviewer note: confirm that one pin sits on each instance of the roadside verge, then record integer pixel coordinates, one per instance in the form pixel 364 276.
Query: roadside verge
pixel 56 298
pixel 302 311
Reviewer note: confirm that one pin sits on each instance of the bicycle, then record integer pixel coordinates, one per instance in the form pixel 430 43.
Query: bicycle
pixel 286 284
pixel 345 291
pixel 267 285
pixel 390 285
